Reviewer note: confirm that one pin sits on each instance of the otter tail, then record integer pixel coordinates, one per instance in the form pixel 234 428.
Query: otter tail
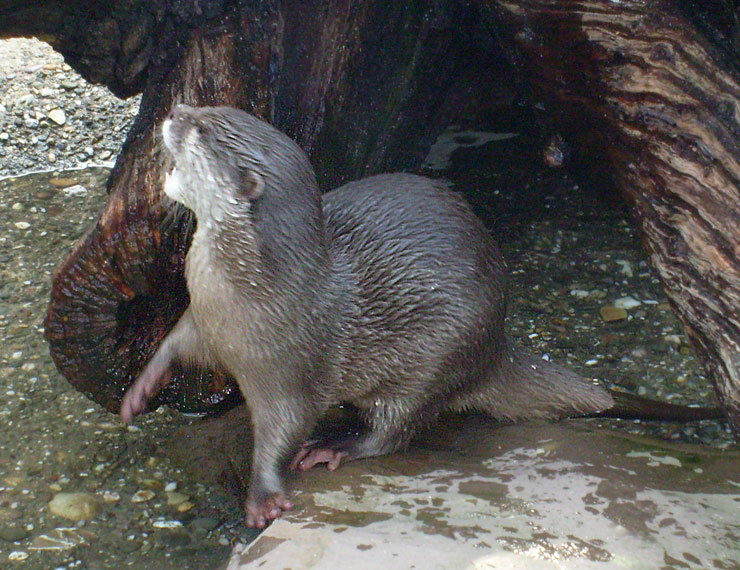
pixel 524 386
pixel 631 407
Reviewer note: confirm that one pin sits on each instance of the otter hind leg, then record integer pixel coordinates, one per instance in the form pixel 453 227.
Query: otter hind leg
pixel 525 387
pixel 390 426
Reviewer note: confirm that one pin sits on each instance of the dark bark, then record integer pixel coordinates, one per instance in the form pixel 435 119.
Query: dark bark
pixel 642 77
pixel 647 93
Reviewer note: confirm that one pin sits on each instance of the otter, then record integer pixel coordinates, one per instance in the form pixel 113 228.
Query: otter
pixel 387 293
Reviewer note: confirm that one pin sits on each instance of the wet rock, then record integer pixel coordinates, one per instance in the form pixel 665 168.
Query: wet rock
pixel 76 190
pixel 627 303
pixel 169 524
pixel 610 313
pixel 13 533
pixel 174 499
pixel 111 496
pixel 61 539
pixel 203 524
pixel 74 506
pixel 143 496
pixel 62 182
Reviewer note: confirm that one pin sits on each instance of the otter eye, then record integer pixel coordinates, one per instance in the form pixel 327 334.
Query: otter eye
pixel 251 184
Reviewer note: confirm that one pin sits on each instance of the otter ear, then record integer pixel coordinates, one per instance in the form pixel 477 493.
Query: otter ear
pixel 251 185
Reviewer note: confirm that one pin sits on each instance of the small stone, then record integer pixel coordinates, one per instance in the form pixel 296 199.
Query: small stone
pixel 76 190
pixel 579 293
pixel 105 155
pixel 111 497
pixel 597 295
pixel 627 303
pixel 206 524
pixel 174 498
pixel 62 539
pixel 12 533
pixel 4 137
pixel 46 92
pixel 62 182
pixel 184 507
pixel 672 339
pixel 89 151
pixel 143 496
pixel 611 314
pixel 18 556
pixel 22 225
pixel 167 524
pixel 57 116
pixel 52 157
pixel 74 506
pixel 171 486
pixel 626 267
pixel 152 484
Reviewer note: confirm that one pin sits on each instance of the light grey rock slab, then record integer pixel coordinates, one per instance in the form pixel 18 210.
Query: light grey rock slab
pixel 477 495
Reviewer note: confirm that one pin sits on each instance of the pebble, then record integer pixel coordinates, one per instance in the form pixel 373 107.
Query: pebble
pixel 57 116
pixel 205 524
pixel 143 496
pixel 174 498
pixel 22 225
pixel 61 539
pixel 626 267
pixel 167 524
pixel 74 506
pixel 672 339
pixel 62 182
pixel 185 507
pixel 611 314
pixel 111 497
pixel 76 190
pixel 13 533
pixel 18 556
pixel 627 303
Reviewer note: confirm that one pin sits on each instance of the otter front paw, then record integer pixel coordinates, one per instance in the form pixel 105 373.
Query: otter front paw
pixel 262 510
pixel 144 389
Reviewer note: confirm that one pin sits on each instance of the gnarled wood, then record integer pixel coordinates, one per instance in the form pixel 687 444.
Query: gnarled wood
pixel 640 75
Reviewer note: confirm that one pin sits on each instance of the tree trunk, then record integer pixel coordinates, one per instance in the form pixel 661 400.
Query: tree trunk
pixel 636 85
pixel 367 86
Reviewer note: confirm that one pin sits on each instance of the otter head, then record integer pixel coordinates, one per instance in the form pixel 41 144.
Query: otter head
pixel 227 160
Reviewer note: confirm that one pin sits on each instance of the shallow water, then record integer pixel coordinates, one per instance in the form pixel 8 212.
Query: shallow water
pixel 568 255
pixel 55 440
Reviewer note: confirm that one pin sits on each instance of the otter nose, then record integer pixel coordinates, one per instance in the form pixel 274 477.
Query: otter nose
pixel 178 112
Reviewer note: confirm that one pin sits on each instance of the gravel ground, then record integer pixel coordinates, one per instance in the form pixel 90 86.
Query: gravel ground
pixel 52 118
pixel 77 488
pixel 569 257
